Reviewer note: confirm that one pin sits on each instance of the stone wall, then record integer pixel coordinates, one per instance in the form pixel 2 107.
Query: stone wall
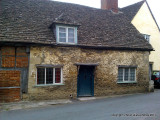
pixel 105 82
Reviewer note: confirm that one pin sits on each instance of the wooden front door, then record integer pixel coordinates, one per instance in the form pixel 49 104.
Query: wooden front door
pixel 85 86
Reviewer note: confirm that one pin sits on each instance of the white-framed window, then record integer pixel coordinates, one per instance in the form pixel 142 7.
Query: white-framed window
pixel 49 76
pixel 147 37
pixel 66 35
pixel 126 75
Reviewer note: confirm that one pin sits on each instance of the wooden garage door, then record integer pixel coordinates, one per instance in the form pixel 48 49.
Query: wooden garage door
pixel 9 85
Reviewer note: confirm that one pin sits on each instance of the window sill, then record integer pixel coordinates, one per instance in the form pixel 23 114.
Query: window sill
pixel 126 82
pixel 66 43
pixel 48 85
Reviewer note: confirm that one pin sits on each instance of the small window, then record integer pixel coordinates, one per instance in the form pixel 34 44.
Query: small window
pixel 66 35
pixel 147 37
pixel 126 75
pixel 49 76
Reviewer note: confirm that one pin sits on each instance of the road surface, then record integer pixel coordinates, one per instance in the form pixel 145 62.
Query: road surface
pixel 131 107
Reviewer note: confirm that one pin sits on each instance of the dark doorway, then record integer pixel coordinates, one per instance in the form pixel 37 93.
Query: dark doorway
pixel 85 86
pixel 150 70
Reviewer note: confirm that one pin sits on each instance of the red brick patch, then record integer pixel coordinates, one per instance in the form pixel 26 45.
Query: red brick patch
pixel 8 61
pixel 21 51
pixel 8 50
pixel 9 79
pixel 10 95
pixel 22 62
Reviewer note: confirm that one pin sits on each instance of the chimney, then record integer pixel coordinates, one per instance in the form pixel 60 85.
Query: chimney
pixel 110 5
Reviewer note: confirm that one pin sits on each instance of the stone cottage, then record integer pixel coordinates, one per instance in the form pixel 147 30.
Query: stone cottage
pixel 53 50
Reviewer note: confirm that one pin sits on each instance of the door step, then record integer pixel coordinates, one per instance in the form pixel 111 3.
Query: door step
pixel 86 98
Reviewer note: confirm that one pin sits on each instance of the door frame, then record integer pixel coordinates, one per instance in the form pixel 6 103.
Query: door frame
pixel 92 83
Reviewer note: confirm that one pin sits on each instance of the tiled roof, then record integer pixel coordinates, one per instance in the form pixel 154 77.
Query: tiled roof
pixel 132 10
pixel 29 21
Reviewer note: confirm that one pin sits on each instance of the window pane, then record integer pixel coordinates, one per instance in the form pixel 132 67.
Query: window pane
pixel 71 30
pixel 71 40
pixel 126 74
pixel 120 74
pixel 57 75
pixel 132 74
pixel 62 35
pixel 147 37
pixel 49 75
pixel 62 39
pixel 40 75
pixel 70 35
pixel 62 29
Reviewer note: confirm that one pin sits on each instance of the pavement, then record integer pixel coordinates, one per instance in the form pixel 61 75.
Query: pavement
pixel 35 104
pixel 31 104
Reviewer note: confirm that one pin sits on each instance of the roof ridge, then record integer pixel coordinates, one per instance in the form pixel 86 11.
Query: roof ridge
pixel 69 3
pixel 132 10
pixel 138 6
pixel 134 4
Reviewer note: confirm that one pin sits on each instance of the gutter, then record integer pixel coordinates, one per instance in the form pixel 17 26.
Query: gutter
pixel 67 45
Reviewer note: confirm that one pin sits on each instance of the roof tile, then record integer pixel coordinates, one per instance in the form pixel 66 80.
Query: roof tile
pixel 28 21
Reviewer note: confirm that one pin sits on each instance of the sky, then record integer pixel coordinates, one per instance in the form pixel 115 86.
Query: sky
pixel 154 5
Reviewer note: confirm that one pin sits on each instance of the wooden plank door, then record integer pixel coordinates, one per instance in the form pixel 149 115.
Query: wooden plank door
pixel 85 81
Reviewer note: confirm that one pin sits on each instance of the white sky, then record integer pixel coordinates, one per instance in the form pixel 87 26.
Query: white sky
pixel 154 5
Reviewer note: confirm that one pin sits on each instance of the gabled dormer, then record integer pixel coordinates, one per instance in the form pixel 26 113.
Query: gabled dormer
pixel 65 30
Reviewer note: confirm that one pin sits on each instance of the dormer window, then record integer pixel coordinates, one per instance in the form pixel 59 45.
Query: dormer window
pixel 66 34
pixel 147 37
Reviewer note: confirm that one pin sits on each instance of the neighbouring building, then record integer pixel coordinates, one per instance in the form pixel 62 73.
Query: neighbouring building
pixel 53 50
pixel 142 18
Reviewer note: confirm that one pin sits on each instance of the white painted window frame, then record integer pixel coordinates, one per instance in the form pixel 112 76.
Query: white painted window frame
pixel 128 81
pixel 61 83
pixel 66 28
pixel 147 37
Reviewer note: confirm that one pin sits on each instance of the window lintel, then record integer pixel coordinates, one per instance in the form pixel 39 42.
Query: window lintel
pixel 127 66
pixel 50 65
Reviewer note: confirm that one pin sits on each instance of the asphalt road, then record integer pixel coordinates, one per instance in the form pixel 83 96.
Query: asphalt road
pixel 132 107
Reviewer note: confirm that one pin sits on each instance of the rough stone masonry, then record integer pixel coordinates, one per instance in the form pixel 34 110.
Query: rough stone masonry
pixel 105 74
